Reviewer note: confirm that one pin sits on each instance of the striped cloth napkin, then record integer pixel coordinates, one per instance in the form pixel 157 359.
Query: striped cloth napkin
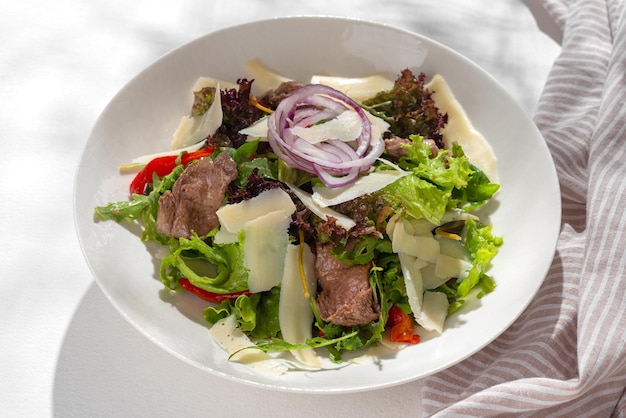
pixel 566 355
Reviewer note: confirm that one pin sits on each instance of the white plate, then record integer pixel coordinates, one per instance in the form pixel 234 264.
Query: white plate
pixel 143 115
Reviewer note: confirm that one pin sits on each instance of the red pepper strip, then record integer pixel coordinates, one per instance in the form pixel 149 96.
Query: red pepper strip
pixel 401 327
pixel 209 296
pixel 162 166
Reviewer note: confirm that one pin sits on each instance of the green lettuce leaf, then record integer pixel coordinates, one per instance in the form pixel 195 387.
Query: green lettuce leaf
pixel 478 190
pixel 267 324
pixel 417 197
pixel 448 169
pixel 437 184
pixel 194 259
pixel 482 246
pixel 257 314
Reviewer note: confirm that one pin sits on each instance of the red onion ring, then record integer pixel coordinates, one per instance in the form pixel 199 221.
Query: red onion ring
pixel 335 162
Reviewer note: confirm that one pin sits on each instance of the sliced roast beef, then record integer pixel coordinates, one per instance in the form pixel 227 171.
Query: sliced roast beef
pixel 395 146
pixel 346 296
pixel 195 197
pixel 275 96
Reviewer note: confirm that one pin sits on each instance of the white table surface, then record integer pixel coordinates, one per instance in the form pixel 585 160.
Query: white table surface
pixel 65 350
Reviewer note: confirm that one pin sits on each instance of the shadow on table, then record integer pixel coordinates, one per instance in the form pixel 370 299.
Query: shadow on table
pixel 107 368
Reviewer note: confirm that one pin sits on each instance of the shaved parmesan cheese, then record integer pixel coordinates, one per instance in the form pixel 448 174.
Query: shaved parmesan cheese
pixel 460 129
pixel 429 308
pixel 447 267
pixel 434 311
pixel 294 312
pixel 413 284
pixel 192 130
pixel 265 243
pixel 419 264
pixel 422 246
pixel 429 279
pixel 327 196
pixel 271 366
pixel 233 217
pixel 346 127
pixel 264 77
pixel 227 334
pixel 264 221
pixel 453 248
pixel 420 226
pixel 391 224
pixel 323 212
pixel 357 88
pixel 224 236
pixel 258 130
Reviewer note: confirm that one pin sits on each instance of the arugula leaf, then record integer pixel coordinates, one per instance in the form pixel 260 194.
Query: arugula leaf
pixel 394 289
pixel 245 152
pixel 273 345
pixel 142 207
pixel 294 176
pixel 267 324
pixel 244 156
pixel 123 210
pixel 367 248
pixel 264 168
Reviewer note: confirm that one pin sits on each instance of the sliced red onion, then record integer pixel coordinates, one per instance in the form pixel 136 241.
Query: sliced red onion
pixel 335 162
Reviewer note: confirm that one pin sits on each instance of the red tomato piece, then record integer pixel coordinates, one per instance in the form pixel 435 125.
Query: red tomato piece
pixel 401 327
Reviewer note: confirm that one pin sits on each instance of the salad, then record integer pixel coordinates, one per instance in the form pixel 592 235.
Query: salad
pixel 322 218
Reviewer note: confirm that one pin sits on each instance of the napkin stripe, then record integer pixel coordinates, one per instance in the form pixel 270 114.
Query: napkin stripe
pixel 566 355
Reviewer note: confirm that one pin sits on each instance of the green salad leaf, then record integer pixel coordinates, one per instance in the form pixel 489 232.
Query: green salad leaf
pixel 482 246
pixel 438 183
pixel 142 207
pixel 214 268
pixel 478 190
pixel 418 198
pixel 408 108
pixel 257 314
pixel 248 163
pixel 448 169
